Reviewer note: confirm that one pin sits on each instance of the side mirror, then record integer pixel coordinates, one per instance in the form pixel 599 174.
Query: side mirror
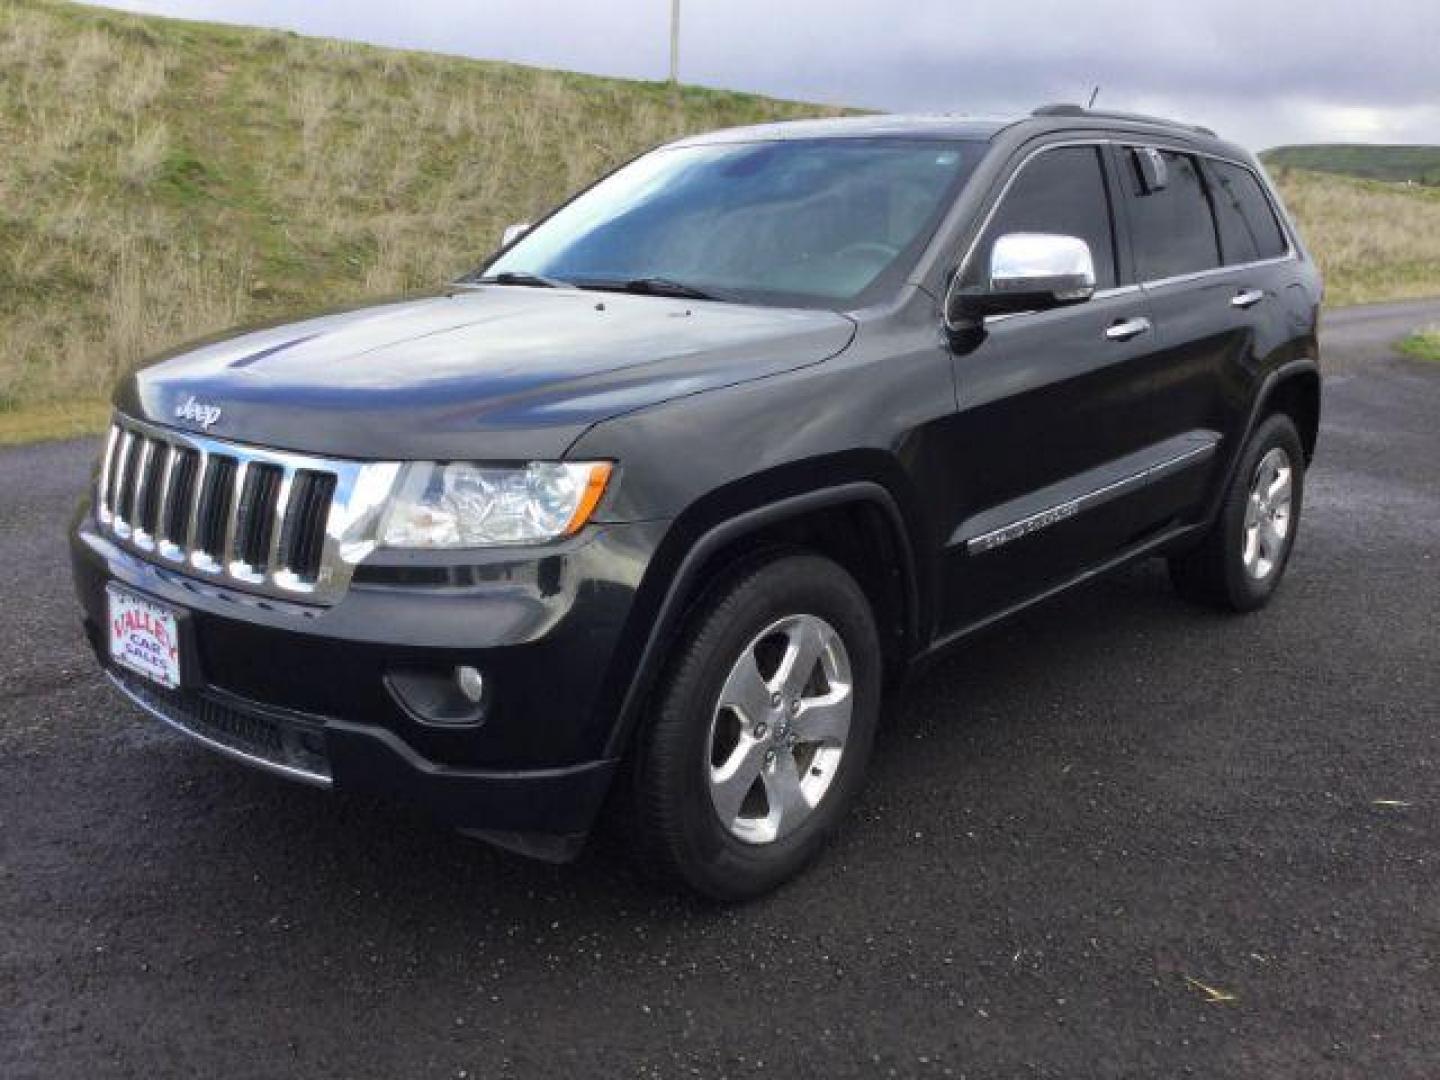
pixel 1028 272
pixel 514 232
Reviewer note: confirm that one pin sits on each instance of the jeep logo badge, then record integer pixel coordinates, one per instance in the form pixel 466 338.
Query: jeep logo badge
pixel 197 412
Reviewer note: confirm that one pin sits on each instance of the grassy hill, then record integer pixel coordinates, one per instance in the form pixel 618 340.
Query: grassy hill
pixel 1374 241
pixel 162 180
pixel 1365 161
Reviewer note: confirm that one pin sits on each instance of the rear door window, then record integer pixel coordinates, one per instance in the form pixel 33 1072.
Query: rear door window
pixel 1172 228
pixel 1249 230
pixel 1059 191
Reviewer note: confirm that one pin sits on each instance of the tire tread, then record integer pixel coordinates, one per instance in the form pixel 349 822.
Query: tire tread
pixel 1211 574
pixel 660 835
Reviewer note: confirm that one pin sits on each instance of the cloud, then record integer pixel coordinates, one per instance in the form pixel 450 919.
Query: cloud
pixel 1261 72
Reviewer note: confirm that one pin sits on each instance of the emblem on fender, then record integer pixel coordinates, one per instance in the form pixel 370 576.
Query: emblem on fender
pixel 197 412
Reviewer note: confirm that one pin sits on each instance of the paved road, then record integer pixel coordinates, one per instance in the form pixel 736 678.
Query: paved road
pixel 1075 826
pixel 1357 338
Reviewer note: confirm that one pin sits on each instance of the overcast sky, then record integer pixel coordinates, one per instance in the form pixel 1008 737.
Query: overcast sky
pixel 1263 72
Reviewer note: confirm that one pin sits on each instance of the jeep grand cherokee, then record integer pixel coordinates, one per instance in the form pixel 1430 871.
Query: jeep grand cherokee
pixel 646 512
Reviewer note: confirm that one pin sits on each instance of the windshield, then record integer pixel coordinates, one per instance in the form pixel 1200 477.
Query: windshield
pixel 814 222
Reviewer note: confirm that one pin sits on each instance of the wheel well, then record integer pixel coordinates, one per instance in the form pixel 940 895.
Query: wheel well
pixel 860 537
pixel 1298 397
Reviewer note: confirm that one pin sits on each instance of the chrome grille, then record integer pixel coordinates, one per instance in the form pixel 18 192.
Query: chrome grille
pixel 264 521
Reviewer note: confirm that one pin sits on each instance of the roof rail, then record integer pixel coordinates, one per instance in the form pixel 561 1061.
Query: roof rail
pixel 1105 114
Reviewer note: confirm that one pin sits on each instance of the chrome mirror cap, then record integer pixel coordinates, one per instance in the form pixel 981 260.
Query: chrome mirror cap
pixel 1026 272
pixel 1036 264
pixel 514 232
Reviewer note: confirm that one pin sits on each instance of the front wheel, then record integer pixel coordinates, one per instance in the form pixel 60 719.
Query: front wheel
pixel 761 728
pixel 1241 559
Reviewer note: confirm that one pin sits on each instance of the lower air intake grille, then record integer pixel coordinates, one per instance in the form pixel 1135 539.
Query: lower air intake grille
pixel 287 742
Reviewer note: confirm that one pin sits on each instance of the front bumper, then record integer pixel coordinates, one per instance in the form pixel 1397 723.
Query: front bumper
pixel 308 692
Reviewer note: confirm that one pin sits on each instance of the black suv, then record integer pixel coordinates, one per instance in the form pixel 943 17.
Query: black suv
pixel 647 511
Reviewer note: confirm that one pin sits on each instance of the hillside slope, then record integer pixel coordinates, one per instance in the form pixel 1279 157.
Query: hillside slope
pixel 1365 161
pixel 1374 241
pixel 166 179
pixel 162 180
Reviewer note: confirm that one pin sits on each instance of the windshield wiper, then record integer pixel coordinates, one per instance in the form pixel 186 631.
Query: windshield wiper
pixel 645 286
pixel 658 286
pixel 519 277
pixel 663 286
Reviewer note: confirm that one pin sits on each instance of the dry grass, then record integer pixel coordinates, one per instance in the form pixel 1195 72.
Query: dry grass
pixel 1374 241
pixel 162 180
pixel 140 160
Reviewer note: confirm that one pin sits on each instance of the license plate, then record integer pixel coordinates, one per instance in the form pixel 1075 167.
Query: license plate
pixel 144 637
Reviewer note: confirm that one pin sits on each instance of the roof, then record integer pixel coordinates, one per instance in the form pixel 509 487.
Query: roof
pixel 857 127
pixel 1046 119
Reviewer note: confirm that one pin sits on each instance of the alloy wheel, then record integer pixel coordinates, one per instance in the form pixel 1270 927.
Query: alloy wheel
pixel 1267 515
pixel 779 729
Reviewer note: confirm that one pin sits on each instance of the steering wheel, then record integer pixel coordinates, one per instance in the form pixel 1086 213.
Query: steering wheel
pixel 869 247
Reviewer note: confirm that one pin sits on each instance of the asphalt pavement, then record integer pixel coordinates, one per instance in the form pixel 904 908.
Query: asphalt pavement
pixel 1119 836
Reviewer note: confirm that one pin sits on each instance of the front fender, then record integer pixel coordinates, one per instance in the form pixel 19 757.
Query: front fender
pixel 676 574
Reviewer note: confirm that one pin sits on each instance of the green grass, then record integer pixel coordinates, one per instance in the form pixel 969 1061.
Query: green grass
pixel 1424 345
pixel 57 420
pixel 1365 161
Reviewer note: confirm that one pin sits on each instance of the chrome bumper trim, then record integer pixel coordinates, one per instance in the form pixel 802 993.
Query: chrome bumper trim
pixel 290 772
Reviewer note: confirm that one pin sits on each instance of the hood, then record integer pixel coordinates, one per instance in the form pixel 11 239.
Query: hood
pixel 493 372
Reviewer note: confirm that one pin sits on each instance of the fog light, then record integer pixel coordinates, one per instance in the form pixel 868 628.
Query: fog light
pixel 443 696
pixel 471 682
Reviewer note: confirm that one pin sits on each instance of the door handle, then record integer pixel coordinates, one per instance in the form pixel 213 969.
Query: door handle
pixel 1126 329
pixel 1247 298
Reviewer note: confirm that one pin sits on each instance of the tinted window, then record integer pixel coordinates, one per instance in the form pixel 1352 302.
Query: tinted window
pixel 790 221
pixel 1248 229
pixel 1060 191
pixel 1174 232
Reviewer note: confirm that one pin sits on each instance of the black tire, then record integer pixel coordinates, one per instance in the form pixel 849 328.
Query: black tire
pixel 673 821
pixel 1214 573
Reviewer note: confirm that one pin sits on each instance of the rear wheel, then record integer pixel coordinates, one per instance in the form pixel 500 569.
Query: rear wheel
pixel 1239 563
pixel 761 729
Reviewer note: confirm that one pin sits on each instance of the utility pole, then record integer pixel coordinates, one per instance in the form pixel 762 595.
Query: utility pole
pixel 674 42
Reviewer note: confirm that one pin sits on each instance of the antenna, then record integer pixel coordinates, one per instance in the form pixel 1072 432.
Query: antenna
pixel 1093 95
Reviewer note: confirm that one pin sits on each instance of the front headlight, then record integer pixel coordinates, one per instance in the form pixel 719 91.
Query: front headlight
pixel 463 505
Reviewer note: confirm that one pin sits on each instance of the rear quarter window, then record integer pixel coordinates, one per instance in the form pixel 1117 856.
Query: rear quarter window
pixel 1249 230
